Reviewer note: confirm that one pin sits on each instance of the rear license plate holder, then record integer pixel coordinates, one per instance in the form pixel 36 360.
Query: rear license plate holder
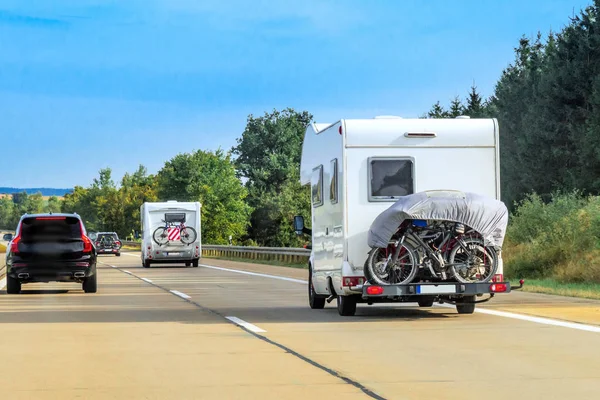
pixel 436 289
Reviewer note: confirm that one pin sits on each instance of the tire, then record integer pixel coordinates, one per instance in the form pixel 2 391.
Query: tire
pixel 160 237
pixel 346 305
pixel 468 308
pixel 90 285
pixel 146 264
pixel 425 302
pixel 13 286
pixel 482 250
pixel 188 263
pixel 118 254
pixel 373 276
pixel 315 301
pixel 195 263
pixel 189 234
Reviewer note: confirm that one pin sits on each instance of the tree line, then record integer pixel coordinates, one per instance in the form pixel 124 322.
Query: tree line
pixel 257 212
pixel 547 102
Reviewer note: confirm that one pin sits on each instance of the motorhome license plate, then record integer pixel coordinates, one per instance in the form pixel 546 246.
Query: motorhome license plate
pixel 435 289
pixel 171 254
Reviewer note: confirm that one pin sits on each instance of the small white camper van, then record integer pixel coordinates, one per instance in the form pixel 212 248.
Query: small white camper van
pixel 359 168
pixel 171 233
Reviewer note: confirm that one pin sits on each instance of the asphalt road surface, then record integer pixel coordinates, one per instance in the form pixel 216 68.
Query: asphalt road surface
pixel 233 330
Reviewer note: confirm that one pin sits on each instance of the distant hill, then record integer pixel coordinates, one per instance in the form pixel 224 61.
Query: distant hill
pixel 43 191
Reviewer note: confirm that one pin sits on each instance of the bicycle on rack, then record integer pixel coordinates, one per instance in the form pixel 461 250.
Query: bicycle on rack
pixel 171 231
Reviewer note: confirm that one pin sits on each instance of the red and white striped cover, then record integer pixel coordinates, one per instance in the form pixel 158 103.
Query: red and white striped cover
pixel 173 234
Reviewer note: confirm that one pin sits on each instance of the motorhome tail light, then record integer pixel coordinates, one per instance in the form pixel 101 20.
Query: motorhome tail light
pixel 420 134
pixel 498 287
pixel 374 290
pixel 158 252
pixel 149 247
pixel 340 130
pixel 352 281
pixel 498 278
pixel 150 256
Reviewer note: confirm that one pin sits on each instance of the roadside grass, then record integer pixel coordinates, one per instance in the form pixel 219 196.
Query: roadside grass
pixel 266 262
pixel 551 286
pixel 555 245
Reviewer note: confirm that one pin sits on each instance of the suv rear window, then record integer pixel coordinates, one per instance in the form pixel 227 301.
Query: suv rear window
pixel 50 228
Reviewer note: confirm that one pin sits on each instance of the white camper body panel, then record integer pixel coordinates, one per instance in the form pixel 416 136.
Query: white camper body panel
pixel 459 154
pixel 152 215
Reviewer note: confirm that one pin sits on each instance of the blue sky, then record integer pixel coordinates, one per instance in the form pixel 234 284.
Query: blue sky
pixel 88 84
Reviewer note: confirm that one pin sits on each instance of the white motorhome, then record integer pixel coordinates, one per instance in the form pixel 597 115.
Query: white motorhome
pixel 170 218
pixel 345 164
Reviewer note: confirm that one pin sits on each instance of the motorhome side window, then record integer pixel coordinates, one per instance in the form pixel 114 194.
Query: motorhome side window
pixel 390 178
pixel 317 186
pixel 333 185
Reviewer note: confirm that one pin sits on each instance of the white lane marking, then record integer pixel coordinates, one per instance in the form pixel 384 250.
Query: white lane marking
pixel 530 318
pixel 127 272
pixel 281 278
pixel 2 283
pixel 147 280
pixel 182 295
pixel 130 255
pixel 247 325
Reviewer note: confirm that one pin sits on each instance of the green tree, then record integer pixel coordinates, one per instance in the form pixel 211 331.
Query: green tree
pixel 437 111
pixel 268 157
pixel 54 205
pixel 475 107
pixel 456 108
pixel 210 178
pixel 8 214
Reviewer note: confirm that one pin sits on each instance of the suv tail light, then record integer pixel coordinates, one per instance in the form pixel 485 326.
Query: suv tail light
pixel 14 245
pixel 87 243
pixel 352 281
pixel 498 278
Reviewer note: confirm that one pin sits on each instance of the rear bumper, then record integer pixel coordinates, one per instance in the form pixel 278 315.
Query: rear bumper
pixel 107 251
pixel 56 272
pixel 450 289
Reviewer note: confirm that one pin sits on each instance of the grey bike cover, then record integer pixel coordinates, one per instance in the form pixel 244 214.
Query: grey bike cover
pixel 485 215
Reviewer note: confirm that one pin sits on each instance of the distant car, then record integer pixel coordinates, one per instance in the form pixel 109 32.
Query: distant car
pixel 108 243
pixel 50 248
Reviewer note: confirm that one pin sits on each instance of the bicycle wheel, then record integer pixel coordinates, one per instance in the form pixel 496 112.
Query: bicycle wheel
pixel 188 235
pixel 160 236
pixel 475 264
pixel 402 272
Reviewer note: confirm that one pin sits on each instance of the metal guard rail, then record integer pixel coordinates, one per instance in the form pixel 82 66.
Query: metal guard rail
pixel 288 251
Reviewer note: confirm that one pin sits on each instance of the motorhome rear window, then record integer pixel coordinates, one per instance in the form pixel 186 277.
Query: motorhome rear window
pixel 390 178
pixel 174 217
pixel 317 186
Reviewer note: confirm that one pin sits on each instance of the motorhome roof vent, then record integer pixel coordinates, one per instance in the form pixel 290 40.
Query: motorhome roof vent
pixel 463 117
pixel 387 117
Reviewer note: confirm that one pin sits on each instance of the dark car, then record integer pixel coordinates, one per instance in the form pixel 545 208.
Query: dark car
pixel 50 248
pixel 108 243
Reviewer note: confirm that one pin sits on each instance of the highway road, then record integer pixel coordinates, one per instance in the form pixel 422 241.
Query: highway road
pixel 235 330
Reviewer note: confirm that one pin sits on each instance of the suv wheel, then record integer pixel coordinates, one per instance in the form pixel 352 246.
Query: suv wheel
pixel 90 285
pixel 13 286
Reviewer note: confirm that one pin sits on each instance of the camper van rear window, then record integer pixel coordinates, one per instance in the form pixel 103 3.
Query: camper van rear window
pixel 174 217
pixel 390 178
pixel 317 186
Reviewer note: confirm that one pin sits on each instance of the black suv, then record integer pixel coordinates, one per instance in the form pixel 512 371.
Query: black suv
pixel 108 243
pixel 50 248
